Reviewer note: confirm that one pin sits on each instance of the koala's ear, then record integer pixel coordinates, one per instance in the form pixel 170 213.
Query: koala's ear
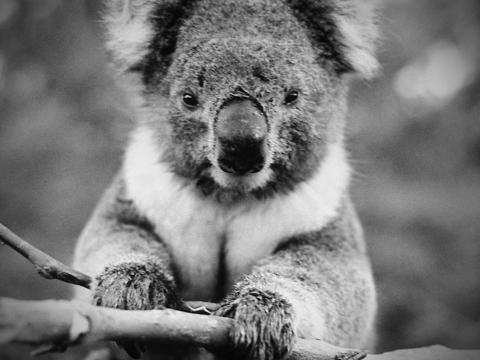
pixel 344 31
pixel 143 34
pixel 128 30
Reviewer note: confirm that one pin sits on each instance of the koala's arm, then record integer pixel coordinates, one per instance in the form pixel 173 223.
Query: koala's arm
pixel 129 263
pixel 317 285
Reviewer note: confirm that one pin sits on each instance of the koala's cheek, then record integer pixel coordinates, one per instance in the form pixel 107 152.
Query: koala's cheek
pixel 187 129
pixel 189 137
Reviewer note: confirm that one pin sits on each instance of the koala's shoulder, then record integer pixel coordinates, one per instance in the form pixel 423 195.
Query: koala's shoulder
pixel 342 234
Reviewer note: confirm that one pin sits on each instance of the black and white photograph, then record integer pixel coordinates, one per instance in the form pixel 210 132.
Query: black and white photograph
pixel 240 179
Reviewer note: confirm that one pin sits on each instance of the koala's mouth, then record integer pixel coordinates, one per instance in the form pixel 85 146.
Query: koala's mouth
pixel 227 187
pixel 243 164
pixel 244 168
pixel 244 183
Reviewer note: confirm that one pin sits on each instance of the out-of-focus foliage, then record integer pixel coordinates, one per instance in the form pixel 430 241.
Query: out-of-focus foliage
pixel 414 135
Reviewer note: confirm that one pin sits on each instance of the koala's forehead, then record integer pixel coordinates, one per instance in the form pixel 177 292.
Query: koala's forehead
pixel 231 34
pixel 265 59
pixel 246 18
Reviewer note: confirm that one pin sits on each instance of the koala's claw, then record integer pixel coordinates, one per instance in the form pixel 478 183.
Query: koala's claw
pixel 351 355
pixel 264 325
pixel 132 286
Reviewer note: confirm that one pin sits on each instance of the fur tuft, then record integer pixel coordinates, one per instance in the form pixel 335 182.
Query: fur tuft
pixel 344 32
pixel 142 34
pixel 128 35
pixel 357 25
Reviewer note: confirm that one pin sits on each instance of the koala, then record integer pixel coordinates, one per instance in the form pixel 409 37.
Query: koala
pixel 234 186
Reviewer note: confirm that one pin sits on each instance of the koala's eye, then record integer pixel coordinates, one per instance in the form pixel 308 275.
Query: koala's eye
pixel 190 100
pixel 291 97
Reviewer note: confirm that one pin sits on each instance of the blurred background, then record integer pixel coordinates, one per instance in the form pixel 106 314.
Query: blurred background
pixel 414 135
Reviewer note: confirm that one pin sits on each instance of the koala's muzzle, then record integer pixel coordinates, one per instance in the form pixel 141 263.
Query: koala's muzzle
pixel 241 131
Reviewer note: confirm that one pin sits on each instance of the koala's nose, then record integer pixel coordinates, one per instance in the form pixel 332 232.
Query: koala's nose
pixel 241 156
pixel 241 131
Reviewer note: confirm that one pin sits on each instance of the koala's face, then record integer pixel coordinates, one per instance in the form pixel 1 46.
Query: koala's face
pixel 245 116
pixel 244 97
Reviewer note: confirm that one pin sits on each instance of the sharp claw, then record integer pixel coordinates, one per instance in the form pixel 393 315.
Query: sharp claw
pixel 351 355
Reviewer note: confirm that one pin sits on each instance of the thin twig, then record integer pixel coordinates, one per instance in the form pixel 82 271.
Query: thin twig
pixel 45 265
pixel 51 268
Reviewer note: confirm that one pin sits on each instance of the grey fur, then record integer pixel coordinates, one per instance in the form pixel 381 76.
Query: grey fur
pixel 264 322
pixel 215 50
pixel 334 264
pixel 116 224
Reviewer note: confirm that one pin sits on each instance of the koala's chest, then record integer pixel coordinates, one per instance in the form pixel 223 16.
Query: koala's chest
pixel 212 247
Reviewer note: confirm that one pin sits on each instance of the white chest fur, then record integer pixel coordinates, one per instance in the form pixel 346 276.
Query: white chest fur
pixel 199 232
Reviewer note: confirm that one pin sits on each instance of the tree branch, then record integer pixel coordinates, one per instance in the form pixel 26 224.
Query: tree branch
pixel 64 323
pixel 45 265
pixel 61 323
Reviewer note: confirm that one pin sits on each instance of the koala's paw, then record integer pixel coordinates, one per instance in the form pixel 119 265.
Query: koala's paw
pixel 264 327
pixel 134 286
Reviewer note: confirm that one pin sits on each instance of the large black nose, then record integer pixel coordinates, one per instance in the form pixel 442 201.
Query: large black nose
pixel 241 130
pixel 241 156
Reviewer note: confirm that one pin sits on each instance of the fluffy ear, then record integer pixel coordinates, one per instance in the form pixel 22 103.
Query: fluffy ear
pixel 128 30
pixel 344 31
pixel 142 34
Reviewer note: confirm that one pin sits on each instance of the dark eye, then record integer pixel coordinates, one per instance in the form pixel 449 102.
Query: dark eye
pixel 190 100
pixel 291 97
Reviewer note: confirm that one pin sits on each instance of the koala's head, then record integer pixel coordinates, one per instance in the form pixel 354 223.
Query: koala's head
pixel 244 97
